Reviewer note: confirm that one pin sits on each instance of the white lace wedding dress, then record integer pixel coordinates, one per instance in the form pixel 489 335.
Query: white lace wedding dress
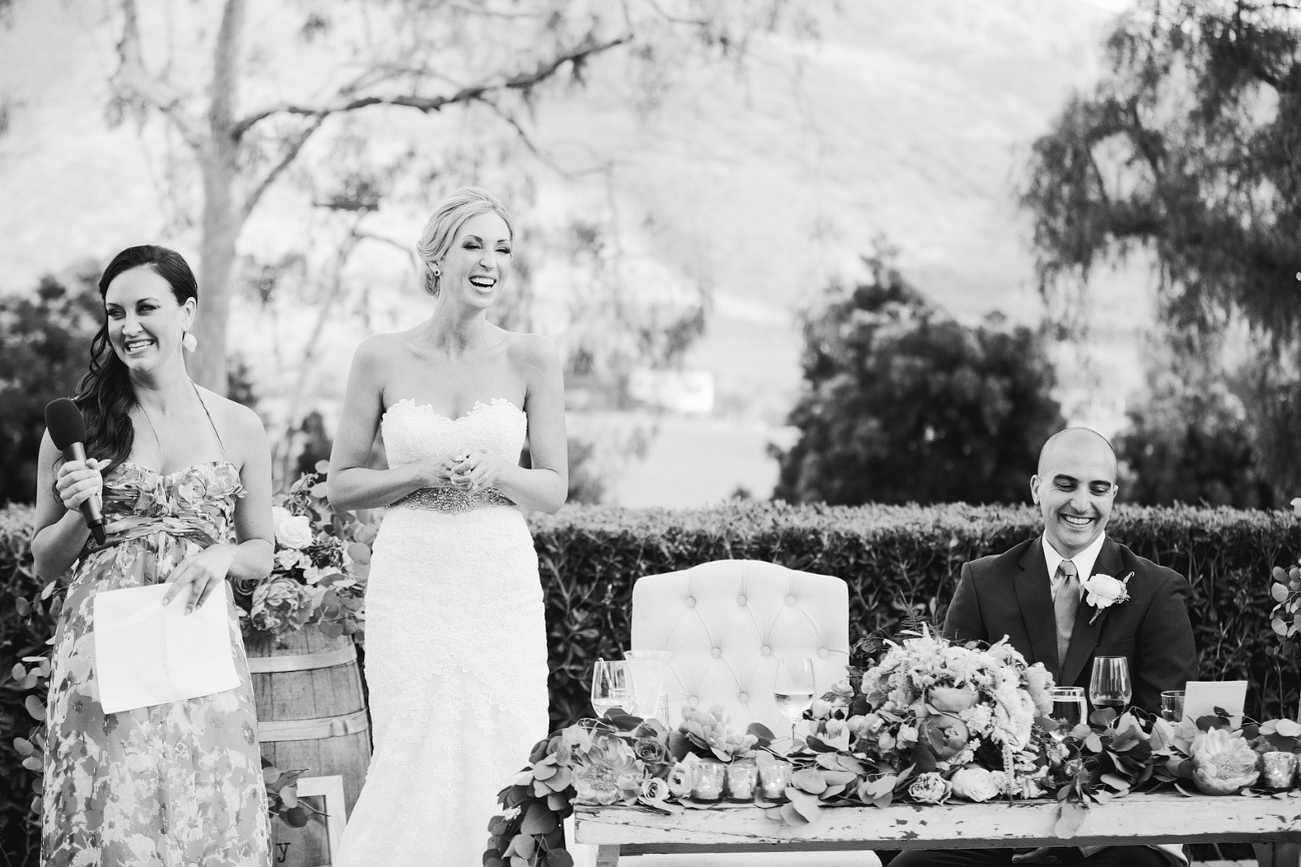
pixel 456 653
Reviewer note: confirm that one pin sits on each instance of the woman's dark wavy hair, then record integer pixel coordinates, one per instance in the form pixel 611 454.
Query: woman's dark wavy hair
pixel 105 396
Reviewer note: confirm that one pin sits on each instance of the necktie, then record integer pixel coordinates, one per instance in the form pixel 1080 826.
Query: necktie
pixel 1066 603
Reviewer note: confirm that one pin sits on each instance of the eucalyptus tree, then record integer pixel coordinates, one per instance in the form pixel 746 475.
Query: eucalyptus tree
pixel 1189 149
pixel 247 86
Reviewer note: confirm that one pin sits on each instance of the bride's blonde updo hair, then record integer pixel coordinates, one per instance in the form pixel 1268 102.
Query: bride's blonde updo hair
pixel 446 221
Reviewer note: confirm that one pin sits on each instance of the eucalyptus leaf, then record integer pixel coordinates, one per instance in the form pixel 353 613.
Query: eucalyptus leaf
pixel 559 858
pixel 1070 817
pixel 539 820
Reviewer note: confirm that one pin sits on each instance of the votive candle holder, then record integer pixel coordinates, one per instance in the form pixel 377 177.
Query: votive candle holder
pixel 742 776
pixel 774 777
pixel 707 780
pixel 1278 769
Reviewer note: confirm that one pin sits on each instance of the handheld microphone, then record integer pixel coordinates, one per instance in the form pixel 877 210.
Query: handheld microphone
pixel 68 431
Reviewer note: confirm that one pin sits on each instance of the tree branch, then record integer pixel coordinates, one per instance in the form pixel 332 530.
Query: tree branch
pixel 133 81
pixel 288 156
pixel 524 136
pixel 522 81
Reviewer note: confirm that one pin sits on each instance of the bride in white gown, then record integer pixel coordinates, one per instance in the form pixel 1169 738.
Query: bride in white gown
pixel 456 654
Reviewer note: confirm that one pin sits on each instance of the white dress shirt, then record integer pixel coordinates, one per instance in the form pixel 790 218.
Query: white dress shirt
pixel 1083 561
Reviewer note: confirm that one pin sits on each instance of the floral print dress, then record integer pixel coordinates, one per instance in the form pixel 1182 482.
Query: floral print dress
pixel 173 784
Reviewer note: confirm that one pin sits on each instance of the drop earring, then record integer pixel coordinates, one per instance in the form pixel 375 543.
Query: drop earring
pixel 188 342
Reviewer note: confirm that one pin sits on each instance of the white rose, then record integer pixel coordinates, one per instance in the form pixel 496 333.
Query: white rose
pixel 286 559
pixel 292 531
pixel 974 784
pixel 1103 590
pixel 929 788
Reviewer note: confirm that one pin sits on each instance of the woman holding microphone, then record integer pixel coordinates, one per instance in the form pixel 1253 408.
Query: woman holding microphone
pixel 184 477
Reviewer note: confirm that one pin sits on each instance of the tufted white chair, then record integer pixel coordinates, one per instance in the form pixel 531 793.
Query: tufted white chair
pixel 728 622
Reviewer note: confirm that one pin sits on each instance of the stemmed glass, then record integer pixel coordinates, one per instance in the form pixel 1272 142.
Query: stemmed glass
pixel 1109 686
pixel 647 669
pixel 793 688
pixel 611 686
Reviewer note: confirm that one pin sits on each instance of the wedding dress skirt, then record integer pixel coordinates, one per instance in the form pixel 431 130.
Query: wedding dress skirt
pixel 456 655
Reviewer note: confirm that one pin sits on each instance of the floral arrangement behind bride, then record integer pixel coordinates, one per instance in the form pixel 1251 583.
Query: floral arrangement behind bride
pixel 321 562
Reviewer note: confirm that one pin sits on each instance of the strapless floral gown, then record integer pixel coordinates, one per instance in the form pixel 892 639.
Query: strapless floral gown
pixel 456 654
pixel 163 786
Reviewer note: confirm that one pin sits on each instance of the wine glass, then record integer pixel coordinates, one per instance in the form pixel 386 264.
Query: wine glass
pixel 611 686
pixel 647 669
pixel 1109 686
pixel 793 688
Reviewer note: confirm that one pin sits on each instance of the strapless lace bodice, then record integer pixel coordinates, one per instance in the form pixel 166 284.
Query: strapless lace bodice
pixel 416 432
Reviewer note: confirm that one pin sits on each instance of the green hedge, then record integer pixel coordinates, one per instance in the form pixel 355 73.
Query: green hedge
pixel 20 636
pixel 897 560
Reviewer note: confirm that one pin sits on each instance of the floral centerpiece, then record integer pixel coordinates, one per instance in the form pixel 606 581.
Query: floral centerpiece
pixel 956 719
pixel 319 574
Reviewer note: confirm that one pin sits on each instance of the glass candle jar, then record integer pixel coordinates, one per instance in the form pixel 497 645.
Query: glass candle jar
pixel 707 780
pixel 1278 769
pixel 742 776
pixel 774 777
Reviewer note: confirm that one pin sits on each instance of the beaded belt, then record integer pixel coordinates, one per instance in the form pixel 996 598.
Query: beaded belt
pixel 453 500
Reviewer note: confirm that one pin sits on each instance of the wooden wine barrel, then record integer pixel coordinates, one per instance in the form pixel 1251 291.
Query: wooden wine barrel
pixel 310 715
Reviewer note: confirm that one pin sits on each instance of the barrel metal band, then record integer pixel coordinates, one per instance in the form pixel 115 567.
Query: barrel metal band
pixel 303 661
pixel 313 729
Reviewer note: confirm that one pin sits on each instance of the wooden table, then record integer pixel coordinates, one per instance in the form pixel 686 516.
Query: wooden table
pixel 1273 824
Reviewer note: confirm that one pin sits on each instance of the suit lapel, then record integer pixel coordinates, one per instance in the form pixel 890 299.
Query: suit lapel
pixel 1084 638
pixel 1035 598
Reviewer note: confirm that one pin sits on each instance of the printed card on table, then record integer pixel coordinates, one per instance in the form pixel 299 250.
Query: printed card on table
pixel 1202 697
pixel 147 653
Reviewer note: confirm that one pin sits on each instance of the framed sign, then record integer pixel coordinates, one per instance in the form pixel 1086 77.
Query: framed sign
pixel 316 843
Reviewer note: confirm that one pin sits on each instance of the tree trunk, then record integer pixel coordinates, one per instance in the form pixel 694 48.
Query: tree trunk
pixel 223 217
pixel 221 225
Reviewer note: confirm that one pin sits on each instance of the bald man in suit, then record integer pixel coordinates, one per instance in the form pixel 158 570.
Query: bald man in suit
pixel 1032 595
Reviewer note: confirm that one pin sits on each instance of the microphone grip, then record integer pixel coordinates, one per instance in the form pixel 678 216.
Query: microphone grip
pixel 90 510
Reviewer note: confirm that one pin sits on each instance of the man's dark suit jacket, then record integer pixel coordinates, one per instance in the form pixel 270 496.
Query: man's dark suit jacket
pixel 1011 594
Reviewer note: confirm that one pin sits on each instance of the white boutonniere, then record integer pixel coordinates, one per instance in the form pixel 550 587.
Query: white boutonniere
pixel 1105 591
